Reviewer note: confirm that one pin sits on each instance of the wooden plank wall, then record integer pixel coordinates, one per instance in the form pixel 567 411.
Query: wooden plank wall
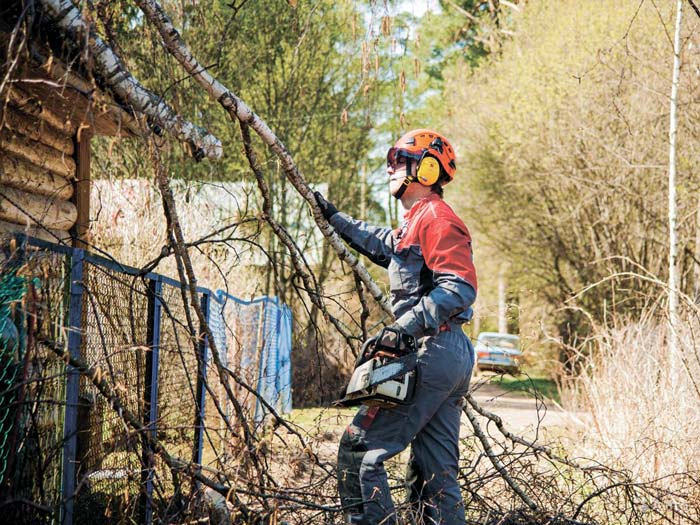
pixel 38 169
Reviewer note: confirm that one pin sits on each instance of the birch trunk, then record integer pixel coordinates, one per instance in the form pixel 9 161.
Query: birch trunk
pixel 238 110
pixel 70 21
pixel 673 317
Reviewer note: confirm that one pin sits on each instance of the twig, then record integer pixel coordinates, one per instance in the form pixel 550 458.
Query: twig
pixel 496 462
pixel 239 111
pixel 521 441
pixel 175 463
pixel 298 260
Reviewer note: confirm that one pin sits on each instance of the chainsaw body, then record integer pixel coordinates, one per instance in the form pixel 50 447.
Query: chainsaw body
pixel 385 374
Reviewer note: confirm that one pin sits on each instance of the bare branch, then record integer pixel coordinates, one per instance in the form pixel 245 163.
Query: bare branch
pixel 497 463
pixel 110 68
pixel 238 110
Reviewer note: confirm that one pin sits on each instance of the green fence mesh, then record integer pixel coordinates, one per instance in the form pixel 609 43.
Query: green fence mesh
pixel 12 290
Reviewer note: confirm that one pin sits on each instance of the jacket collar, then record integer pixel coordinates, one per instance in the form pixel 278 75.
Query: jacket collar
pixel 419 205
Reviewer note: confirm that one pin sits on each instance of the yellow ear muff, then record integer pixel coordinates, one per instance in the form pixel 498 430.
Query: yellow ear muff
pixel 428 171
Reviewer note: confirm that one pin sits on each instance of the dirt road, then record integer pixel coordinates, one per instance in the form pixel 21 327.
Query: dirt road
pixel 521 412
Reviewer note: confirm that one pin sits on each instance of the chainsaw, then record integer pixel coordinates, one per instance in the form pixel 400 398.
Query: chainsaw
pixel 385 371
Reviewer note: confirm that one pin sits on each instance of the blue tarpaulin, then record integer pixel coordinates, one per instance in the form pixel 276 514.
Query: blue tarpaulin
pixel 256 338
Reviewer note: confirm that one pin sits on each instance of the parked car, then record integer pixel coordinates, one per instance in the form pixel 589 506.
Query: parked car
pixel 499 352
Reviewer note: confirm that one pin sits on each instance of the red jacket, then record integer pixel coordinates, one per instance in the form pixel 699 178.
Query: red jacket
pixel 430 263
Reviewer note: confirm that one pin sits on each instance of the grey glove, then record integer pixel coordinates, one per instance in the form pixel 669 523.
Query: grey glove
pixel 327 208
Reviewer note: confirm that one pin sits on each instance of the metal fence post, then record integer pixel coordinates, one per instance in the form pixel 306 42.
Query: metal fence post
pixel 201 379
pixel 70 422
pixel 155 288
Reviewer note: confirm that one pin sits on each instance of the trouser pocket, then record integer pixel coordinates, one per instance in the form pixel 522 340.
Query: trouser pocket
pixel 351 453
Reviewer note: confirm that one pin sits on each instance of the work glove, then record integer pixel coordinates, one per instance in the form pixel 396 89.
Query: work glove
pixel 327 208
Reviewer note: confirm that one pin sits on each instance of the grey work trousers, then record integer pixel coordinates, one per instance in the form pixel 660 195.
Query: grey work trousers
pixel 430 423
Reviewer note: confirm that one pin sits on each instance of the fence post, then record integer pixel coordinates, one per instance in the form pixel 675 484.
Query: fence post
pixel 155 288
pixel 201 379
pixel 70 421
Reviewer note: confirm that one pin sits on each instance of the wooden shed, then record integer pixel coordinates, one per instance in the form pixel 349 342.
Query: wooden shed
pixel 48 116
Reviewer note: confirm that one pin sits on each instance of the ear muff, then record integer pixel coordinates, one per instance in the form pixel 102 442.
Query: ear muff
pixel 428 171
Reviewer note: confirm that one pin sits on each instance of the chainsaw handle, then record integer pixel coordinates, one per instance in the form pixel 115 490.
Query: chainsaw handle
pixel 403 343
pixel 367 350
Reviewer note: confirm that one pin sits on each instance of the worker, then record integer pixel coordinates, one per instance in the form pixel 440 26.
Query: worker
pixel 433 285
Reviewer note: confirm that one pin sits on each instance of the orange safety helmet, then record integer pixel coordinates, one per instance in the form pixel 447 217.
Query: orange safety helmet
pixel 426 147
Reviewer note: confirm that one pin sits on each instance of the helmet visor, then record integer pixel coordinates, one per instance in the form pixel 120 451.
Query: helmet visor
pixel 397 156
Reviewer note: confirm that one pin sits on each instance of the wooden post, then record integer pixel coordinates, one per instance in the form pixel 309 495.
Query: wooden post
pixel 81 195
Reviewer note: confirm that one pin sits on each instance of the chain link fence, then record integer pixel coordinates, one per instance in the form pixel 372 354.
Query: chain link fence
pixel 66 455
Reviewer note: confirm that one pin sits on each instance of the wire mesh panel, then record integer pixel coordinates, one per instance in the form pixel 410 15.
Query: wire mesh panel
pixel 217 435
pixel 66 452
pixel 177 403
pixel 269 362
pixel 115 342
pixel 243 335
pixel 32 310
pixel 283 379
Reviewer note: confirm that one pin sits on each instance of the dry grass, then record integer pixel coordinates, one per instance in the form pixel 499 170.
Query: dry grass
pixel 643 411
pixel 128 223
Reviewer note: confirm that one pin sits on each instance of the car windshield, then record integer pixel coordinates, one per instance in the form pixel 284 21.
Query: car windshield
pixel 501 342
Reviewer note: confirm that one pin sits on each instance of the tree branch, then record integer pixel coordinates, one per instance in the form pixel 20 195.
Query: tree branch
pixel 493 457
pixel 238 110
pixel 111 70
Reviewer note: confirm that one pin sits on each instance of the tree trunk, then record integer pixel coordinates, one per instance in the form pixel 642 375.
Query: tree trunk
pixel 673 317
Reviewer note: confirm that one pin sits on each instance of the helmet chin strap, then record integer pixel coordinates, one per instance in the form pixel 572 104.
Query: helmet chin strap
pixel 408 180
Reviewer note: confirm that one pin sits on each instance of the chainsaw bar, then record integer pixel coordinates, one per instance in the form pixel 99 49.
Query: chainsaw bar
pixel 374 381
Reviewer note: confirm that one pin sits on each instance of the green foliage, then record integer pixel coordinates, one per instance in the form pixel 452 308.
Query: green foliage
pixel 295 68
pixel 563 145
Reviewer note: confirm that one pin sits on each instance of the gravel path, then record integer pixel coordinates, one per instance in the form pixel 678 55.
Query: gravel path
pixel 521 412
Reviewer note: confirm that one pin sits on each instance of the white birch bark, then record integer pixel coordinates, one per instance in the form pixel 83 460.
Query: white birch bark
pixel 502 304
pixel 673 317
pixel 238 109
pixel 107 64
